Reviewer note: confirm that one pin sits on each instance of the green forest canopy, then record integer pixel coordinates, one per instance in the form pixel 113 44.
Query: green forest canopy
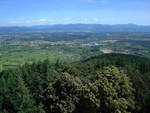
pixel 109 83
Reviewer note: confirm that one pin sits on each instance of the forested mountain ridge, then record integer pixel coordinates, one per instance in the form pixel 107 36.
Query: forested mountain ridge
pixel 109 83
pixel 78 28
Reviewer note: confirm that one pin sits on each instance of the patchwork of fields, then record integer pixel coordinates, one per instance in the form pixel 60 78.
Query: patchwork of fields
pixel 16 49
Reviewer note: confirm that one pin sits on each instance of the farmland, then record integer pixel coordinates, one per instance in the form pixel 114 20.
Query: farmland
pixel 18 48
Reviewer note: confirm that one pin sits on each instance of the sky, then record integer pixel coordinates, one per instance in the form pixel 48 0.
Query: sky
pixel 44 12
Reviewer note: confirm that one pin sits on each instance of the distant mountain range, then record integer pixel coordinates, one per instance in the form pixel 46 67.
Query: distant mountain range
pixel 78 28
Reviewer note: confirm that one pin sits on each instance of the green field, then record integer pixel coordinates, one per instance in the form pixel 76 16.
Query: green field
pixel 17 49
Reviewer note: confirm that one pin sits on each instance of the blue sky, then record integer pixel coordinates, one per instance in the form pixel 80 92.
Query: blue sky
pixel 37 12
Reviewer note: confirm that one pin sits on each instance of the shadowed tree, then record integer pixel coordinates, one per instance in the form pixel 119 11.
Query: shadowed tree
pixel 69 95
pixel 14 96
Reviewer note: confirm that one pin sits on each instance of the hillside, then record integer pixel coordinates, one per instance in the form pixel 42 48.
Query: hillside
pixel 107 83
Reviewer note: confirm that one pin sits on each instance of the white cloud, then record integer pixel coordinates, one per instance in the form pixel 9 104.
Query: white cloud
pixel 13 22
pixel 95 20
pixel 19 22
pixel 29 22
pixel 43 20
pixel 67 20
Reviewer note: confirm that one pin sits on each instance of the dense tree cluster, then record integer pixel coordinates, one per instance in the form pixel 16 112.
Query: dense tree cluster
pixel 109 91
pixel 111 83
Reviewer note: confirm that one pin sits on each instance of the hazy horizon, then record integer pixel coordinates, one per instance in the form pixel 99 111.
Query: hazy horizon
pixel 50 12
pixel 70 24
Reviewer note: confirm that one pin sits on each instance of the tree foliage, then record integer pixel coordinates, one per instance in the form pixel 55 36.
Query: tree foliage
pixel 112 83
pixel 111 92
pixel 14 95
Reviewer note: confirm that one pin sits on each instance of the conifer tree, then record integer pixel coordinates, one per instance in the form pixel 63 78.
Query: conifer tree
pixel 15 97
